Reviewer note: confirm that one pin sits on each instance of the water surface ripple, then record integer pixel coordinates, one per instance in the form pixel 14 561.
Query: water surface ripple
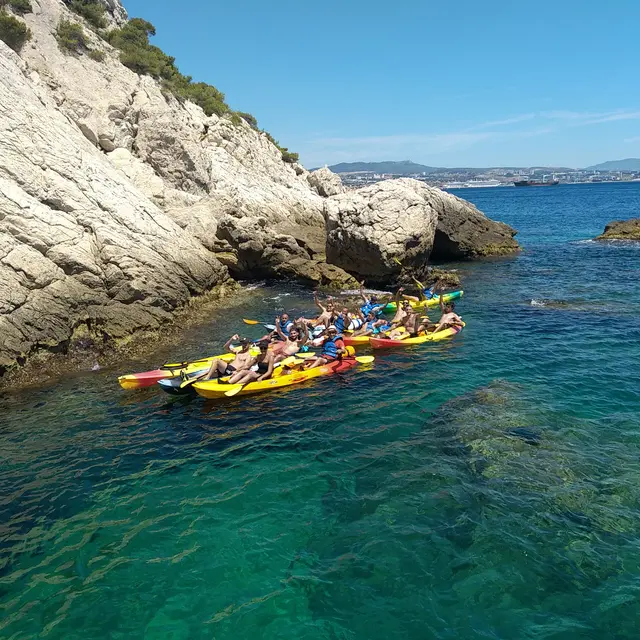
pixel 483 488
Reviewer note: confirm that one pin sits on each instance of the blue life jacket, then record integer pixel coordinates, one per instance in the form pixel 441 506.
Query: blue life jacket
pixel 285 328
pixel 339 323
pixel 383 328
pixel 329 348
pixel 427 293
pixel 372 307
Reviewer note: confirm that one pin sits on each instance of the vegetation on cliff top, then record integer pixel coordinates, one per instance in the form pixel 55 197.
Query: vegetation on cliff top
pixel 139 55
pixel 13 32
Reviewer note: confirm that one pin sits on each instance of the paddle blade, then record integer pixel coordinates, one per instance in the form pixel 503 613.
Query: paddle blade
pixel 364 359
pixel 186 383
pixel 232 392
pixel 269 327
pixel 250 321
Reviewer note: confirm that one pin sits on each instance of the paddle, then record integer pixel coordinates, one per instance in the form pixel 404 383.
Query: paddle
pixel 414 279
pixel 270 327
pixel 364 359
pixel 190 381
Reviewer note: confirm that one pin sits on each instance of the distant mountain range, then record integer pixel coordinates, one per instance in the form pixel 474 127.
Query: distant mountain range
pixel 628 164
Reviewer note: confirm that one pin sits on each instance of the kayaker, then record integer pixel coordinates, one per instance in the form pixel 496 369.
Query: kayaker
pixel 291 344
pixel 261 369
pixel 342 320
pixel 402 308
pixel 449 318
pixel 332 349
pixel 327 313
pixel 371 326
pixel 285 323
pixel 243 360
pixel 370 304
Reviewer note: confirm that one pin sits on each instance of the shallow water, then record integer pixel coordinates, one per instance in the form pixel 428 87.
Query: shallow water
pixel 484 487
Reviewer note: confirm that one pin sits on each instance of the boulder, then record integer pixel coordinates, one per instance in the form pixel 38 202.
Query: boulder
pixel 464 232
pixel 378 230
pixel 622 230
pixel 325 182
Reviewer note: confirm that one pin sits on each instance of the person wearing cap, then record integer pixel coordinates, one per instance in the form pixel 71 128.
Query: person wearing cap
pixel 333 349
pixel 243 360
pixel 262 367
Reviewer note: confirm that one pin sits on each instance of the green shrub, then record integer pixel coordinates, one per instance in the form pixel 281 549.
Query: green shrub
pixel 288 156
pixel 21 6
pixel 247 117
pixel 13 32
pixel 139 55
pixel 93 11
pixel 97 55
pixel 71 36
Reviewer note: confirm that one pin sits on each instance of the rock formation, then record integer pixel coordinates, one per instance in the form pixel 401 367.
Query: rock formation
pixel 622 230
pixel 119 202
pixel 465 233
pixel 79 244
pixel 371 230
pixel 377 231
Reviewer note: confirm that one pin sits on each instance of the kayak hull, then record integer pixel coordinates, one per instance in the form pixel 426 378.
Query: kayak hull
pixel 149 378
pixel 357 341
pixel 213 389
pixel 433 302
pixel 384 343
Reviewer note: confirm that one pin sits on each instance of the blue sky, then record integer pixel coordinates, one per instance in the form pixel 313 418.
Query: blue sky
pixel 466 83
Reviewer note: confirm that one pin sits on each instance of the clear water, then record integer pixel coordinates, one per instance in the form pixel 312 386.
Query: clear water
pixel 484 488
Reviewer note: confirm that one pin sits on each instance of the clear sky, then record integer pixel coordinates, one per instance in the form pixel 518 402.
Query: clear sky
pixel 448 83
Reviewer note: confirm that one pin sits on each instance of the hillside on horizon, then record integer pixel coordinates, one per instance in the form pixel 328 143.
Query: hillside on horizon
pixel 628 164
pixel 407 167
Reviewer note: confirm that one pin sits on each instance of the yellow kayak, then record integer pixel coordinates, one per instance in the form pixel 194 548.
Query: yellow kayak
pixel 149 378
pixel 382 343
pixel 433 302
pixel 213 389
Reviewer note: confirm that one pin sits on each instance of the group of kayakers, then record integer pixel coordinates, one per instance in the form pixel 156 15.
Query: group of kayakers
pixel 291 337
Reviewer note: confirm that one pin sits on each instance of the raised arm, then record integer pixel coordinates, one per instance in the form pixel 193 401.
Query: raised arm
pixel 279 329
pixel 305 335
pixel 318 304
pixel 227 344
pixel 441 303
pixel 366 300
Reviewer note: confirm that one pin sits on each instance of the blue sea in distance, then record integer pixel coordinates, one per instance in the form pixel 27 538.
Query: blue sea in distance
pixel 486 487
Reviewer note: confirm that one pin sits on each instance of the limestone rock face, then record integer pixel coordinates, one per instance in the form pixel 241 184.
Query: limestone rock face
pixel 464 232
pixel 79 244
pixel 622 230
pixel 370 230
pixel 325 182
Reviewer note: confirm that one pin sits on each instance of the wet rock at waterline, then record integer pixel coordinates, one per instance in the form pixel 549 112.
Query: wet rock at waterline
pixel 622 230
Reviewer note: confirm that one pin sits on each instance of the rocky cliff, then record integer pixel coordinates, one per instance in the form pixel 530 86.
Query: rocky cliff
pixel 622 230
pixel 119 202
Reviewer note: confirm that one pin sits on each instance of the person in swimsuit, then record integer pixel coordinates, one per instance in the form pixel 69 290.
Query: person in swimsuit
pixel 327 314
pixel 242 361
pixel 449 318
pixel 262 368
pixel 371 325
pixel 291 344
pixel 332 350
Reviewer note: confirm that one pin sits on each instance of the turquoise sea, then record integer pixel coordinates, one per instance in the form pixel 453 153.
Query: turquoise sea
pixel 488 487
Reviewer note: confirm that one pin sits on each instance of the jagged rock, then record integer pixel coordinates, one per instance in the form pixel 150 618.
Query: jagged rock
pixel 79 244
pixel 464 232
pixel 325 182
pixel 376 231
pixel 314 273
pixel 622 230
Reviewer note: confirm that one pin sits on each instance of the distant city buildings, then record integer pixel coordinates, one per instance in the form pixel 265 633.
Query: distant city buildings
pixel 497 177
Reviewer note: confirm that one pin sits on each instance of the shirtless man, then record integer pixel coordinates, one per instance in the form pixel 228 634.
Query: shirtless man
pixel 449 318
pixel 291 344
pixel 324 319
pixel 262 368
pixel 243 360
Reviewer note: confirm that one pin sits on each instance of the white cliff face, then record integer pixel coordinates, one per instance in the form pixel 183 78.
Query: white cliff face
pixel 79 243
pixel 115 199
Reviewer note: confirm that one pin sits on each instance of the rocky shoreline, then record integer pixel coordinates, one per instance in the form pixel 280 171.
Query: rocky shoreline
pixel 621 230
pixel 121 204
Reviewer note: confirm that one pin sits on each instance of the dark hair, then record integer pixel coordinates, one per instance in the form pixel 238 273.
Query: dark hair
pixel 263 345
